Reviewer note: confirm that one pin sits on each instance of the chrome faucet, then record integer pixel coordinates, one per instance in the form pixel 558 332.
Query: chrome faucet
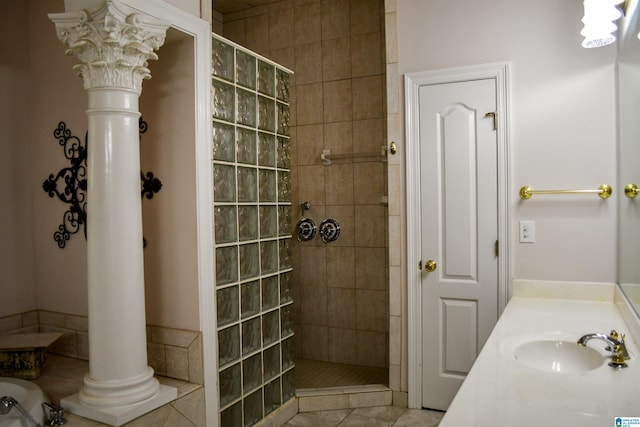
pixel 56 414
pixel 8 402
pixel 615 345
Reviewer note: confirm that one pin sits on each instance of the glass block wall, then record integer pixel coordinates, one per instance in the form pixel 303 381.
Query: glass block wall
pixel 252 220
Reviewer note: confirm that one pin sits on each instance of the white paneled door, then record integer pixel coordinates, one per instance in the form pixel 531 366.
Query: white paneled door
pixel 459 226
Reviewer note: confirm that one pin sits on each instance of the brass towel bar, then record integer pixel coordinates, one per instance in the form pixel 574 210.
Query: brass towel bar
pixel 604 192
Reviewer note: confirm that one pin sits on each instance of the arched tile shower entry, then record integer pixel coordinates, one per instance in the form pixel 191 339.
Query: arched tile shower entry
pixel 252 228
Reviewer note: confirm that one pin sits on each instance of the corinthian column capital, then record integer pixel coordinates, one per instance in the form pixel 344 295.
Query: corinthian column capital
pixel 112 42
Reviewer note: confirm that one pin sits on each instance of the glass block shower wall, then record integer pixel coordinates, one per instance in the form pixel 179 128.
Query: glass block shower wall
pixel 252 219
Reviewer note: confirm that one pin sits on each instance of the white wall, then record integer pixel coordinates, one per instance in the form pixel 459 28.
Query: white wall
pixel 17 279
pixel 40 89
pixel 169 219
pixel 562 124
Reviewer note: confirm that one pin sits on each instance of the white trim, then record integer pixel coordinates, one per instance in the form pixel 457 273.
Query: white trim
pixel 195 27
pixel 413 82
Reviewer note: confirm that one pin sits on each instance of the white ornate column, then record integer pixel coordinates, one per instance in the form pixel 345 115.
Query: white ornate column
pixel 113 44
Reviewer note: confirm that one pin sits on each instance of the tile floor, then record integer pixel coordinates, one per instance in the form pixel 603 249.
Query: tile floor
pixel 377 416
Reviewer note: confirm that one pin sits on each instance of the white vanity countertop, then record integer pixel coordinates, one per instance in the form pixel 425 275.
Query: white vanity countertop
pixel 502 392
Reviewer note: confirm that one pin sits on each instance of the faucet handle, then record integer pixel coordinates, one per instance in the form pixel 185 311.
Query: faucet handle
pixel 617 360
pixel 56 414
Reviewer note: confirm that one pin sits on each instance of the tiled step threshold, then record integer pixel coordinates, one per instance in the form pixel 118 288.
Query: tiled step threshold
pixel 326 399
pixel 330 398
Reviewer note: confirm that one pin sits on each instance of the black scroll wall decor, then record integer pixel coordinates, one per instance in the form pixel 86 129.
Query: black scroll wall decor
pixel 70 183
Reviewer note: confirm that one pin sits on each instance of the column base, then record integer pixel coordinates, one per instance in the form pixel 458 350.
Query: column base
pixel 119 415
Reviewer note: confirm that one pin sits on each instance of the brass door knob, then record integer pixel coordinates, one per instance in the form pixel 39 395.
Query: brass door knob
pixel 431 265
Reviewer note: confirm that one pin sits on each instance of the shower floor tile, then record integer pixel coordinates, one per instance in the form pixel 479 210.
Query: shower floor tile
pixel 317 374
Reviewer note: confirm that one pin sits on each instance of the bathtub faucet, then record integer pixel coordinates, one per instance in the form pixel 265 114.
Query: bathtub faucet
pixel 56 414
pixel 7 402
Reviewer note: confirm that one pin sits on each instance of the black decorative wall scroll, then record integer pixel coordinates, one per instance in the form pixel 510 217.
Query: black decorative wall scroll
pixel 70 183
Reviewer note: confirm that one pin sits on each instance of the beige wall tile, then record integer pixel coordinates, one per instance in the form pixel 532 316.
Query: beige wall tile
pixel 338 102
pixel 235 31
pixel 395 345
pixel 339 179
pixel 256 11
pixel 367 97
pixel 400 399
pixel 342 346
pixel 175 337
pixel 311 184
pixel 394 189
pixel 29 318
pixel 177 362
pixel 78 323
pixel 365 16
pixel 157 358
pixel 371 310
pixel 314 305
pixel 308 23
pixel 257 33
pixel 341 267
pixel 336 59
pixel 371 268
pixel 345 216
pixel 391 33
pixel 286 57
pixel 340 303
pixel 390 6
pixel 315 342
pixel 369 346
pixel 196 367
pixel 335 19
pixel 52 319
pixel 395 236
pixel 281 25
pixel 393 89
pixel 395 294
pixel 310 143
pixel 394 377
pixel 309 102
pixel 369 183
pixel 366 55
pixel 10 323
pixel 368 135
pixel 308 58
pixel 313 263
pixel 369 225
pixel 338 137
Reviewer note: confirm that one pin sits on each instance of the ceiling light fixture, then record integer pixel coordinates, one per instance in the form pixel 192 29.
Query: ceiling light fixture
pixel 599 18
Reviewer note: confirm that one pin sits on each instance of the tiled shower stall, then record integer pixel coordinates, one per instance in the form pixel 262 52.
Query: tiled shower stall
pixel 252 217
pixel 337 50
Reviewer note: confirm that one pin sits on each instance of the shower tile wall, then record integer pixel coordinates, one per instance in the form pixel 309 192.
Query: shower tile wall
pixel 252 219
pixel 336 49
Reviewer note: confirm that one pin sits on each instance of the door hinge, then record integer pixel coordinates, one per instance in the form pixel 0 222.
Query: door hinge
pixel 497 248
pixel 493 114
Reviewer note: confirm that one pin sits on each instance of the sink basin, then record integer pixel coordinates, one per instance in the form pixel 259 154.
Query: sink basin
pixel 565 357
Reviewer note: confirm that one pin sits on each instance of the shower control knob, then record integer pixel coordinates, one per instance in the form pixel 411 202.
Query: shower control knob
pixel 306 229
pixel 329 230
